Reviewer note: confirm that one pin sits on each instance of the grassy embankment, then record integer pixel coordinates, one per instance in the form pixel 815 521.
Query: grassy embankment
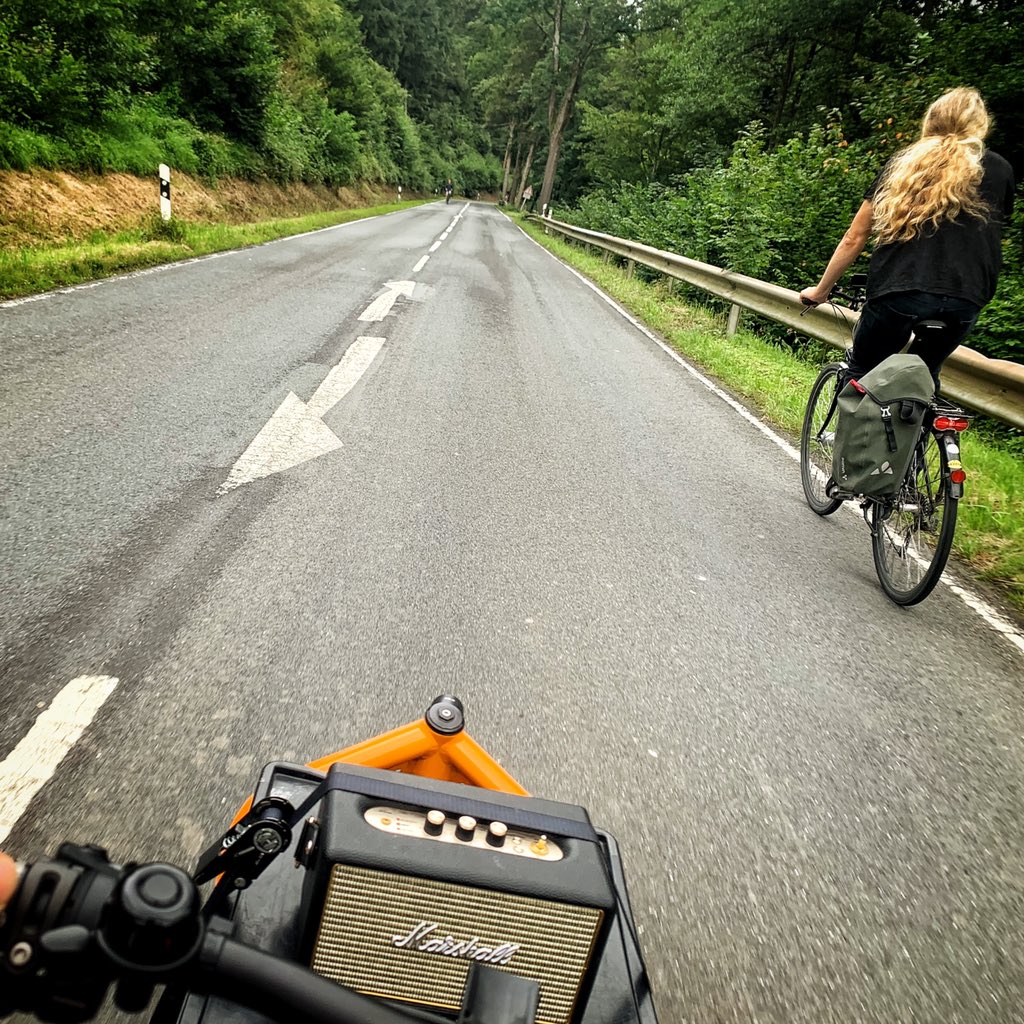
pixel 990 529
pixel 27 269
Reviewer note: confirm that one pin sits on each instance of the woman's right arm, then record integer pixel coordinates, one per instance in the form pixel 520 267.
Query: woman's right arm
pixel 847 251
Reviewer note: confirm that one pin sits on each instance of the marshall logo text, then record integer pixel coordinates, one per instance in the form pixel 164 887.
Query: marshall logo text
pixel 465 949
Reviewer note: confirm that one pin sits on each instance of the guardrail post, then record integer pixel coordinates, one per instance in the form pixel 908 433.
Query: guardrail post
pixel 630 268
pixel 734 321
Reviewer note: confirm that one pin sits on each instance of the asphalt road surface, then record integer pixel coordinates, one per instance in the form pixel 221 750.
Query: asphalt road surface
pixel 279 539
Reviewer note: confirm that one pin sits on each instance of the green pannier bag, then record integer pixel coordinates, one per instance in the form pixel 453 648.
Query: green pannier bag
pixel 880 417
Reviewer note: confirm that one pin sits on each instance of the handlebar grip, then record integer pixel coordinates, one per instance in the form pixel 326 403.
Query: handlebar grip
pixel 79 923
pixel 286 991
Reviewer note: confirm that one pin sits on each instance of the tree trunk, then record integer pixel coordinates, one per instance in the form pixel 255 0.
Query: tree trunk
pixel 517 169
pixel 525 178
pixel 556 131
pixel 506 167
pixel 787 81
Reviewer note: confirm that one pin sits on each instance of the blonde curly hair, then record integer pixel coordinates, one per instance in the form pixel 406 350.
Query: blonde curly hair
pixel 936 178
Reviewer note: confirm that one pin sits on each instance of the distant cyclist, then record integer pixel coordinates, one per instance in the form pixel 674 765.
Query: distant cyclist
pixel 936 211
pixel 448 189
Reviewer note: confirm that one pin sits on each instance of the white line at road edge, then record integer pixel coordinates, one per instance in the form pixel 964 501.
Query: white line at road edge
pixel 8 303
pixel 977 604
pixel 34 760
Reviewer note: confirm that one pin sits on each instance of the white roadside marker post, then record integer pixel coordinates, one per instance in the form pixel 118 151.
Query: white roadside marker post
pixel 165 192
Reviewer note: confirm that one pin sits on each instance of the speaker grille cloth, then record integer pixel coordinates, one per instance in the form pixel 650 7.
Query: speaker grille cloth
pixel 366 910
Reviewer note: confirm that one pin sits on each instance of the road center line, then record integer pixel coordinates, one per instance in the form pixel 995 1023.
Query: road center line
pixel 434 247
pixel 34 760
pixel 997 622
pixel 419 266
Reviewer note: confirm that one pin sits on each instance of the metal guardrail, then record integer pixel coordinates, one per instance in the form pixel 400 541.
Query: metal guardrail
pixel 994 387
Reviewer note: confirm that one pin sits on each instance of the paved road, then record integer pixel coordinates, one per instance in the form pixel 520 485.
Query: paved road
pixel 536 507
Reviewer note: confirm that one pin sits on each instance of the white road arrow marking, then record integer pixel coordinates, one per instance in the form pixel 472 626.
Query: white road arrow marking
pixel 381 306
pixel 296 433
pixel 337 384
pixel 33 761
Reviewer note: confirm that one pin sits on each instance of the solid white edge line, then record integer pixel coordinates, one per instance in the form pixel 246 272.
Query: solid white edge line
pixel 10 303
pixel 37 756
pixel 977 604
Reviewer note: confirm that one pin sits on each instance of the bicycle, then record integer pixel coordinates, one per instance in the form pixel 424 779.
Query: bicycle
pixel 912 530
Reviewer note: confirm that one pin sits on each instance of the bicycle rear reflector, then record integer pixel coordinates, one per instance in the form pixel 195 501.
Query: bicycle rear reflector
pixel 951 423
pixel 958 476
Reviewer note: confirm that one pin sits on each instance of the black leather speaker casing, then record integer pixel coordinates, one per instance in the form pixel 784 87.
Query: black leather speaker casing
pixel 579 878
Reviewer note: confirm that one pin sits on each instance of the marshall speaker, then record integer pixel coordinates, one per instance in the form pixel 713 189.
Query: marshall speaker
pixel 413 880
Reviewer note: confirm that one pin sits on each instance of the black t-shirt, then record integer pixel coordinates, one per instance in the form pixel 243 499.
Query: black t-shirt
pixel 960 258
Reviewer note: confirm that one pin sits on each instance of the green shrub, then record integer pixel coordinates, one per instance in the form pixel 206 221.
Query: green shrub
pixel 777 215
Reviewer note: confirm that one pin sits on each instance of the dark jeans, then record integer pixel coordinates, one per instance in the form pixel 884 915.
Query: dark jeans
pixel 885 323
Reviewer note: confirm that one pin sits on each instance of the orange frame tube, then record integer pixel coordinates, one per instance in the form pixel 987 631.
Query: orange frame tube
pixel 416 749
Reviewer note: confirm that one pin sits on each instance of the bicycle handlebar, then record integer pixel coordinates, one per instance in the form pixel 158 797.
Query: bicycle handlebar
pixel 79 923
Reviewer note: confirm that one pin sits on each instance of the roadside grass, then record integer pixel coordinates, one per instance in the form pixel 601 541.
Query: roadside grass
pixel 26 270
pixel 775 381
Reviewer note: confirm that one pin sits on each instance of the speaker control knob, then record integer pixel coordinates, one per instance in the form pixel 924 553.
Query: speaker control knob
pixel 496 833
pixel 434 825
pixel 466 828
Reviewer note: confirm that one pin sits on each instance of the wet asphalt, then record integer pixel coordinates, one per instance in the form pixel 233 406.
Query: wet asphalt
pixel 535 507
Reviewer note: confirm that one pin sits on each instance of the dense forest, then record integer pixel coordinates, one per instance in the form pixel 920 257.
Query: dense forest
pixel 741 132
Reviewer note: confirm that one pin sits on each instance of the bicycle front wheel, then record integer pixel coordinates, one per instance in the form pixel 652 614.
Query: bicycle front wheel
pixel 817 439
pixel 911 537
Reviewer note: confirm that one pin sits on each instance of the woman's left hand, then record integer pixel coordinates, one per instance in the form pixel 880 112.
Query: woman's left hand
pixel 813 296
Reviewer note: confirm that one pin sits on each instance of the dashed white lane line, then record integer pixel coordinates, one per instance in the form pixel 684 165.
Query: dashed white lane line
pixel 35 759
pixel 419 266
pixel 997 622
pixel 434 247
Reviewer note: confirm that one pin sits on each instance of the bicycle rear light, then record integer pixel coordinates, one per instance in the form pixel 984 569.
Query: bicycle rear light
pixel 951 423
pixel 958 476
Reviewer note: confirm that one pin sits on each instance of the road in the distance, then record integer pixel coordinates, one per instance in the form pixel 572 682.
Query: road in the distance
pixel 535 507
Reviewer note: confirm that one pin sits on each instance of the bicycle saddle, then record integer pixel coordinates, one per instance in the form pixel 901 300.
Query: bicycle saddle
pixel 930 324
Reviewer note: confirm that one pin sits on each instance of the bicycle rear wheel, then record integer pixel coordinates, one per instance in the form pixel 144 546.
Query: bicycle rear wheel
pixel 911 536
pixel 817 439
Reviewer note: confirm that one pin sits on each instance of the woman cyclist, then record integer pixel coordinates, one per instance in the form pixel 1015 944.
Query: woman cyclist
pixel 936 211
